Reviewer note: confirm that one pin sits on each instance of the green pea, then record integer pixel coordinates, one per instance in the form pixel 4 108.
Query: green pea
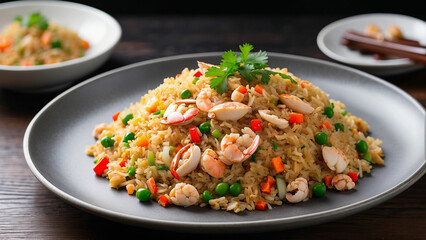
pixel 235 189
pixel 126 145
pixel 127 118
pixel 129 136
pixel 361 146
pixel 143 194
pixel 367 157
pixel 131 171
pixel 216 133
pixel 185 94
pixel 329 112
pixel 222 189
pixel 340 127
pixel 151 158
pixel 321 138
pixel 56 43
pixel 204 127
pixel 343 112
pixel 207 196
pixel 319 190
pixel 107 142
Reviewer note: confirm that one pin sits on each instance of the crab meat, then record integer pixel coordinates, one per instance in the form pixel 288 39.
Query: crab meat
pixel 279 122
pixel 296 104
pixel 335 159
pixel 185 161
pixel 229 111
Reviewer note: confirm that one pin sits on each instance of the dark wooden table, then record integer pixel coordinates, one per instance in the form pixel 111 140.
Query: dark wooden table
pixel 29 210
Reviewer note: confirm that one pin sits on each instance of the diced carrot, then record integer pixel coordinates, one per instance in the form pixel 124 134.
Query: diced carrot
pixel 296 118
pixel 260 205
pixel 270 180
pixel 325 125
pixel 258 89
pixel 286 88
pixel 85 44
pixel 353 175
pixel 327 180
pixel 265 187
pixel 303 83
pixel 26 63
pixel 151 185
pixel 5 43
pixel 163 200
pixel 115 116
pixel 242 89
pixel 45 38
pixel 151 106
pixel 256 125
pixel 356 155
pixel 178 75
pixel 130 189
pixel 101 166
pixel 142 141
pixel 277 164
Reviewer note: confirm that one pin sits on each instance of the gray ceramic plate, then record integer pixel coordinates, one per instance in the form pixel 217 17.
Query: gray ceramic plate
pixel 55 141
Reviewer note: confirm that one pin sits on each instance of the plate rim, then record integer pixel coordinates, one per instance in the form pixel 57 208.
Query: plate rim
pixel 403 62
pixel 262 225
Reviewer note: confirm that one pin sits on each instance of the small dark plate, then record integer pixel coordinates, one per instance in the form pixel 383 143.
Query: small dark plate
pixel 55 141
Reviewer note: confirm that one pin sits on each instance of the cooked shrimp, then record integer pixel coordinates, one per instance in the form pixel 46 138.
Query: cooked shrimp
pixel 203 100
pixel 99 128
pixel 184 194
pixel 238 94
pixel 204 66
pixel 185 161
pixel 279 122
pixel 236 148
pixel 229 111
pixel 297 190
pixel 342 182
pixel 296 104
pixel 211 164
pixel 178 114
pixel 335 159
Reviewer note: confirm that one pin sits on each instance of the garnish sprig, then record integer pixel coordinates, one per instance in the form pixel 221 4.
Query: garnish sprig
pixel 249 65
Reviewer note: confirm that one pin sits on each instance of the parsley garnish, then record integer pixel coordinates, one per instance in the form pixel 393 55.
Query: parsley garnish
pixel 249 65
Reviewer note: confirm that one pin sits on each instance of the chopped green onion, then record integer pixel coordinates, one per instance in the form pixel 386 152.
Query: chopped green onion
pixel 56 43
pixel 162 168
pixel 151 158
pixel 157 112
pixel 343 112
pixel 275 146
pixel 339 126
pixel 132 161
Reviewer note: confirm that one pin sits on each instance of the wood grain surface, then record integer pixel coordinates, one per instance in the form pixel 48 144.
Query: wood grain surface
pixel 28 210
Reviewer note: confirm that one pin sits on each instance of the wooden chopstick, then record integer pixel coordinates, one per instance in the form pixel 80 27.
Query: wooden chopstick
pixel 400 48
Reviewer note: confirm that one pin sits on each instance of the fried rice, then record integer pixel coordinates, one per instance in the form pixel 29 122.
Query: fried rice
pixel 295 145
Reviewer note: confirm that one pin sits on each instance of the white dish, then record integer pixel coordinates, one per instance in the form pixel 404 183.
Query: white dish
pixel 329 42
pixel 100 29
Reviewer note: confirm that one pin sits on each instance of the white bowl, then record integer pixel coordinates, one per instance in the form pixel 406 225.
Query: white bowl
pixel 101 30
pixel 329 42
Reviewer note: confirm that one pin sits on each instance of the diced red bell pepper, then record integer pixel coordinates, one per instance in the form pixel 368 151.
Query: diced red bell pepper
pixel 353 175
pixel 163 200
pixel 195 137
pixel 151 185
pixel 101 166
pixel 255 125
pixel 198 74
pixel 296 118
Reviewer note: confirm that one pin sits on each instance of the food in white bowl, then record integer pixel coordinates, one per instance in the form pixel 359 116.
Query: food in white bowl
pixel 35 40
pixel 96 27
